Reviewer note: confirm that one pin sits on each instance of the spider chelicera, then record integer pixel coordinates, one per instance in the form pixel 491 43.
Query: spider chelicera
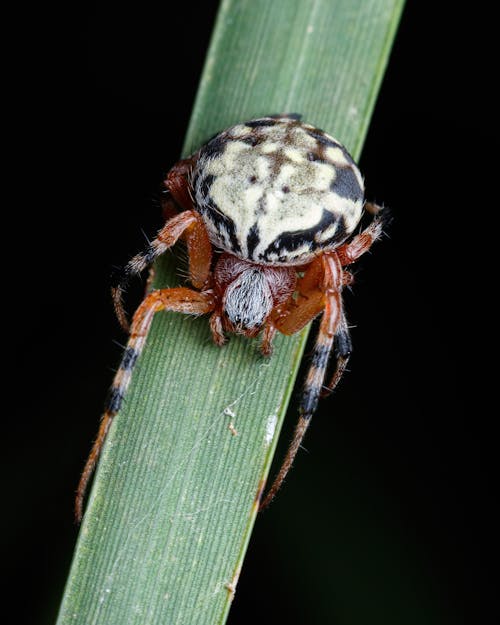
pixel 280 199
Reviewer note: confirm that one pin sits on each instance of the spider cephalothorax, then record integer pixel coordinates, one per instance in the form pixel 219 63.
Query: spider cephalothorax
pixel 281 199
pixel 248 293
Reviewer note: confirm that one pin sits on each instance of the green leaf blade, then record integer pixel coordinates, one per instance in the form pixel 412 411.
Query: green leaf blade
pixel 174 499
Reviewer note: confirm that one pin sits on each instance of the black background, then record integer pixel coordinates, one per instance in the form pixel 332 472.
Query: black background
pixel 99 99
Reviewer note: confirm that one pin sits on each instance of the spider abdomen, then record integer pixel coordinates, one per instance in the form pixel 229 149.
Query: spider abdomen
pixel 277 191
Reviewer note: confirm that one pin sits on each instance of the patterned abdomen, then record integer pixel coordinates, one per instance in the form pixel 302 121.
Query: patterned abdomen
pixel 277 191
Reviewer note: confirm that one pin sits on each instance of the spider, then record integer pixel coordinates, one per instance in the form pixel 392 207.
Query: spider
pixel 279 200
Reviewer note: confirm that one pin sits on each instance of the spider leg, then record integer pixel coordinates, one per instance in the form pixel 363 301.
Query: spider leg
pixel 188 224
pixel 178 300
pixel 266 346
pixel 347 254
pixel 342 347
pixel 361 243
pixel 177 187
pixel 332 317
pixel 217 329
pixel 292 315
pixel 296 314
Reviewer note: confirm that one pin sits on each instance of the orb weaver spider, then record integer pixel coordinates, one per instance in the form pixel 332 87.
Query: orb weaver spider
pixel 280 199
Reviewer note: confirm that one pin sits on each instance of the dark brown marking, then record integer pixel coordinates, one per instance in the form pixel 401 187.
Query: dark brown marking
pixel 256 123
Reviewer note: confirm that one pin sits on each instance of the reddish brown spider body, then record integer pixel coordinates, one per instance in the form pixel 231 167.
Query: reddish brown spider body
pixel 280 199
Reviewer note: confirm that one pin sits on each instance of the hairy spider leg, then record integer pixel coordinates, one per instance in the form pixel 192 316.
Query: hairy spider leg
pixel 350 252
pixel 175 196
pixel 188 224
pixel 216 328
pixel 176 193
pixel 296 314
pixel 332 316
pixel 266 345
pixel 342 348
pixel 178 299
pixel 333 332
